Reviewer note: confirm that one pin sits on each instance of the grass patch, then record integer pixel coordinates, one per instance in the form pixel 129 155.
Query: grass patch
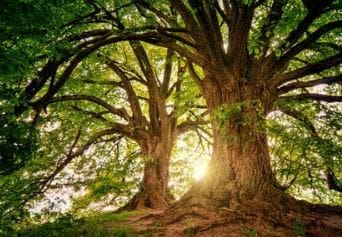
pixel 105 224
pixel 249 232
pixel 298 229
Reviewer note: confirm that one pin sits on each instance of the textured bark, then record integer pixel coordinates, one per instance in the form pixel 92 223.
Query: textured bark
pixel 240 170
pixel 153 192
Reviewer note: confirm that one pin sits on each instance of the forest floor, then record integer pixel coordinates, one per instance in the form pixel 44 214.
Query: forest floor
pixel 249 221
pixel 252 221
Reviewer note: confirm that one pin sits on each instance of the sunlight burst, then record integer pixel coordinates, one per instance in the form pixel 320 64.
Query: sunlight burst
pixel 199 171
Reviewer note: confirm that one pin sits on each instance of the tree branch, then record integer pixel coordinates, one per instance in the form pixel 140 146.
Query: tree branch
pixel 194 75
pixel 305 84
pixel 307 70
pixel 283 60
pixel 92 113
pixel 319 97
pixel 273 17
pixel 167 72
pixel 121 112
pixel 224 13
pixel 190 125
pixel 44 184
pixel 147 36
pixel 110 83
pixel 189 20
pixel 315 9
pixel 137 114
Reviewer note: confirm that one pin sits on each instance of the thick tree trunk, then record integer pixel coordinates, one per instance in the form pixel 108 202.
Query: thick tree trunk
pixel 153 192
pixel 240 169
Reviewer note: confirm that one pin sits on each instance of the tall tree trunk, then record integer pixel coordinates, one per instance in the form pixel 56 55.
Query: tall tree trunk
pixel 240 167
pixel 239 189
pixel 153 192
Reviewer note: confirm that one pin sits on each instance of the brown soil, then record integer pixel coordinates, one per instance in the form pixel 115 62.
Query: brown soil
pixel 252 219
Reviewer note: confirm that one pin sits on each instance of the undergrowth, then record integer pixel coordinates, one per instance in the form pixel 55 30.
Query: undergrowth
pixel 106 224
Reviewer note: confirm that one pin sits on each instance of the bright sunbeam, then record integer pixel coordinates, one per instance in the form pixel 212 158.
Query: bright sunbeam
pixel 199 171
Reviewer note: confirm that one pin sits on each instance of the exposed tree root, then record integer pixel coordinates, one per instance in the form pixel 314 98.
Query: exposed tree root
pixel 144 200
pixel 196 217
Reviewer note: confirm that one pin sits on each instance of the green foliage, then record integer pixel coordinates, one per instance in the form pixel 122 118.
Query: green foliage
pixel 298 229
pixel 301 156
pixel 16 190
pixel 240 113
pixel 190 228
pixel 249 232
pixel 232 113
pixel 101 224
pixel 18 144
pixel 124 231
pixel 185 99
pixel 63 226
pixel 33 34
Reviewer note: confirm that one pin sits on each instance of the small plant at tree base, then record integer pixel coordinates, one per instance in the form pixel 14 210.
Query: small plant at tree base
pixel 298 228
pixel 249 232
pixel 190 229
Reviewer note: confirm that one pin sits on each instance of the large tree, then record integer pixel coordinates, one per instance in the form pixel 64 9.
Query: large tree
pixel 254 55
pixel 150 115
pixel 248 58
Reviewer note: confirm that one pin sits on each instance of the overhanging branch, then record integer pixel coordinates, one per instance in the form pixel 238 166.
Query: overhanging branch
pixel 121 112
pixel 308 70
pixel 300 84
pixel 190 125
pixel 312 96
pixel 305 43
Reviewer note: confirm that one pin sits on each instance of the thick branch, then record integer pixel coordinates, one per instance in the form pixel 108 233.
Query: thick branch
pixel 305 43
pixel 190 125
pixel 184 38
pixel 87 34
pixel 189 20
pixel 121 112
pixel 307 70
pixel 300 84
pixel 239 29
pixel 132 97
pixel 315 9
pixel 181 50
pixel 319 97
pixel 206 17
pixel 167 72
pixel 157 109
